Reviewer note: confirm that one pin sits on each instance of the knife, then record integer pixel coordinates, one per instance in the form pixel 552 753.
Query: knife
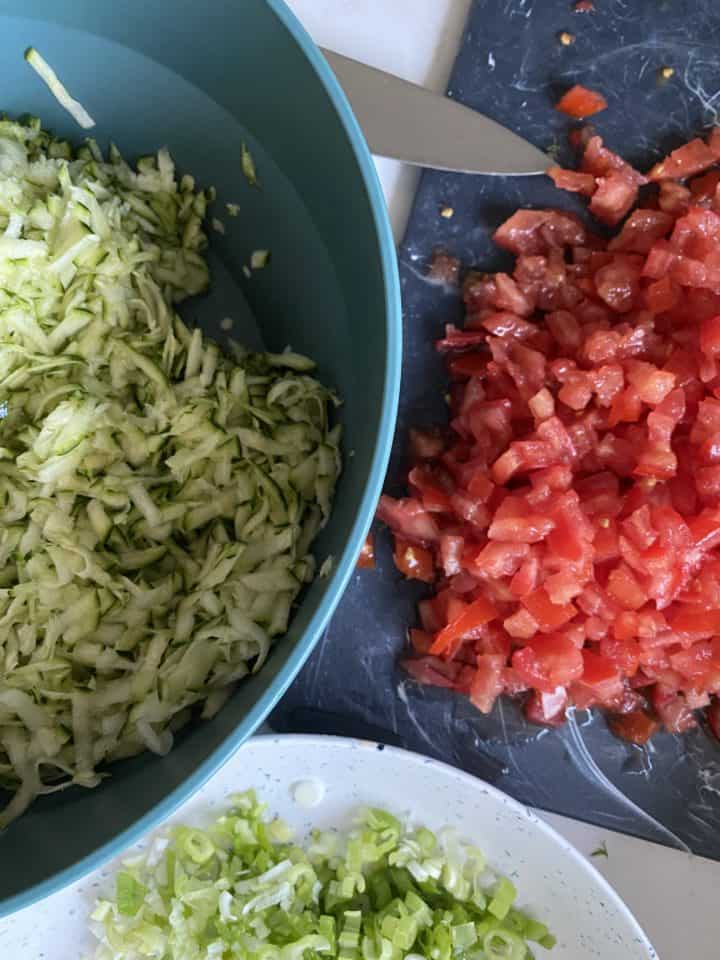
pixel 410 123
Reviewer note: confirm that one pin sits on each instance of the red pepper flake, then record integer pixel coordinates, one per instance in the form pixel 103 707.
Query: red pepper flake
pixel 584 6
pixel 579 102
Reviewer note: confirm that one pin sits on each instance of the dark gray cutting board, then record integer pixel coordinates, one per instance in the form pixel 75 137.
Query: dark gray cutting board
pixel 512 67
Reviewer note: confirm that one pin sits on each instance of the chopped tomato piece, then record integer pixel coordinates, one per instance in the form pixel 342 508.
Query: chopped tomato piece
pixel 548 662
pixel 474 615
pixel 547 708
pixel 366 560
pixel 414 562
pixel 579 102
pixel 691 158
pixel 614 196
pixel 409 519
pixel 547 614
pixel 425 670
pixel 573 180
pixel 568 516
pixel 636 727
pixel 487 684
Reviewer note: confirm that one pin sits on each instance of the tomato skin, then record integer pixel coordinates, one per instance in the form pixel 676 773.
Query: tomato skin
pixel 472 616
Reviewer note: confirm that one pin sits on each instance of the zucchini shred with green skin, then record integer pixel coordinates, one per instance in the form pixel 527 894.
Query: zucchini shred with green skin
pixel 158 498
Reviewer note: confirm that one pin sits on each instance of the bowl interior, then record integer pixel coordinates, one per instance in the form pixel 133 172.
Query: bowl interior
pixel 202 82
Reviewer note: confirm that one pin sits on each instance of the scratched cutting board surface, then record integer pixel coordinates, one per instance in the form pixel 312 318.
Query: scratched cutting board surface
pixel 512 67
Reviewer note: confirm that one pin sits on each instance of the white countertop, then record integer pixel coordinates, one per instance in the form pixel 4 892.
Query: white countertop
pixel 671 893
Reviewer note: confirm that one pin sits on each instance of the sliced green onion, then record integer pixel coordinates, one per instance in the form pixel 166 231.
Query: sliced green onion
pixel 243 889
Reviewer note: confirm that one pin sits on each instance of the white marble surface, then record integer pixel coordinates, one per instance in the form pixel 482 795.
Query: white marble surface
pixel 671 893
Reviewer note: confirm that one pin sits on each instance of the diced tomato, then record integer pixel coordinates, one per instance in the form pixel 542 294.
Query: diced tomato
pixel 568 517
pixel 579 102
pixel 425 444
pixel 662 295
pixel 547 614
pixel 636 727
pixel 686 161
pixel 414 562
pixel 641 230
pixel 613 198
pixel 451 551
pixel 455 339
pixel 468 365
pixel 573 180
pixel 474 615
pixel 695 623
pixel 710 336
pixel 520 529
pixel 548 662
pixel 600 683
pixel 538 231
pixel 498 559
pixel 487 684
pixel 425 670
pixel 618 283
pixel 547 708
pixel 366 559
pixel 409 519
pixel 672 710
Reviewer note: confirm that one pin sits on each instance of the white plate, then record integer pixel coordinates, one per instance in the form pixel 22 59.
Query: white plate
pixel 554 881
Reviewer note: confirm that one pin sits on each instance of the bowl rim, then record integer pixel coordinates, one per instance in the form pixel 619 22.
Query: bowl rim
pixel 365 513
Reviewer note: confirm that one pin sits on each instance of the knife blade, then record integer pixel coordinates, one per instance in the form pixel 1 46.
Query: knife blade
pixel 410 123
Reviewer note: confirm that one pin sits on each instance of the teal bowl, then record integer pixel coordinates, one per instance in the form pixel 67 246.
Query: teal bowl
pixel 201 78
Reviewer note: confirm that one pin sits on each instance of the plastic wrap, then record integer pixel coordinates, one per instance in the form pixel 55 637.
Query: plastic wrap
pixel 513 67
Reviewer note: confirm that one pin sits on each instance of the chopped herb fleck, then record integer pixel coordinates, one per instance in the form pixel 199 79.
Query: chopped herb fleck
pixel 259 259
pixel 248 166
